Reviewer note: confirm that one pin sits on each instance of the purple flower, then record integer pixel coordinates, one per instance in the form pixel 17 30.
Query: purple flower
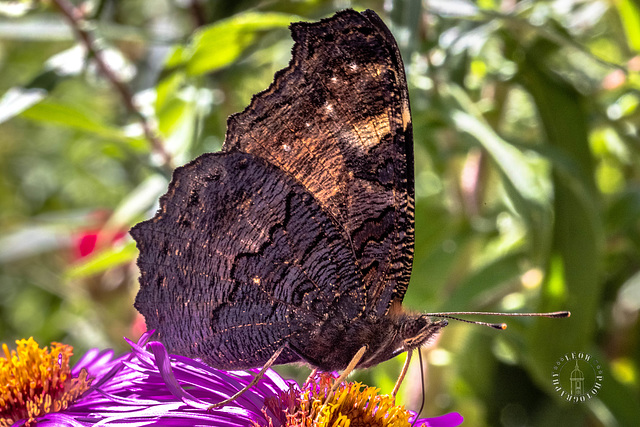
pixel 148 387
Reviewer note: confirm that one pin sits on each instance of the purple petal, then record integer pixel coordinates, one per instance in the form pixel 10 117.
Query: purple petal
pixel 162 361
pixel 451 419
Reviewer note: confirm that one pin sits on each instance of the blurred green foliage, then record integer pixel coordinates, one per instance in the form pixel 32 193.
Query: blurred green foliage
pixel 527 177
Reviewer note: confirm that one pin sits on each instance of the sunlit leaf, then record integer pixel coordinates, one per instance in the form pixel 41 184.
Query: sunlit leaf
pixel 104 260
pixel 629 12
pixel 510 160
pixel 72 117
pixel 220 44
pixel 18 99
pixel 167 89
pixel 180 108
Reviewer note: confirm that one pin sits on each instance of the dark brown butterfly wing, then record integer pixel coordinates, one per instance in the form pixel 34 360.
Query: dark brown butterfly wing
pixel 239 260
pixel 301 231
pixel 338 121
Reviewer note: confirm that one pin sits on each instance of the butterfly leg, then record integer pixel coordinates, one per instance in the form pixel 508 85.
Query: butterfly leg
pixel 405 368
pixel 253 382
pixel 350 367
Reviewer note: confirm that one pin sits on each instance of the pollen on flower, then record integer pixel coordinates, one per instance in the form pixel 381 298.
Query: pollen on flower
pixel 352 405
pixel 35 381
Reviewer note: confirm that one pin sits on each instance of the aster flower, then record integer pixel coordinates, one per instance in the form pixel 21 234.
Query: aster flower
pixel 34 382
pixel 149 387
pixel 138 389
pixel 38 386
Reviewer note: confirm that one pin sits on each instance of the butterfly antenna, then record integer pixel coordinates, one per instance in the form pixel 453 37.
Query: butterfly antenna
pixel 500 326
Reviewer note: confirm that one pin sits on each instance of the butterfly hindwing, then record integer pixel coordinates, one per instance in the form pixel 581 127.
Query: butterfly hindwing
pixel 239 260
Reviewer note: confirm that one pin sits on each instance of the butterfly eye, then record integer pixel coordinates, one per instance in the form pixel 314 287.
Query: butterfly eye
pixel 411 328
pixel 420 330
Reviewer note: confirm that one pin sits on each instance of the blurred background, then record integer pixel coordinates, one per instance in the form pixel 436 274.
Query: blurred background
pixel 527 152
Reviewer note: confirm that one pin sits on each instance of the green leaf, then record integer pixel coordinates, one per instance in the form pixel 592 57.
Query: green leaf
pixel 69 116
pixel 485 281
pixel 220 44
pixel 104 260
pixel 520 177
pixel 172 114
pixel 167 89
pixel 176 57
pixel 511 161
pixel 629 12
pixel 18 99
pixel 179 107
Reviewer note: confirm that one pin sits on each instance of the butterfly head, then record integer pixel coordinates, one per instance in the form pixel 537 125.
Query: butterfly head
pixel 399 332
pixel 418 330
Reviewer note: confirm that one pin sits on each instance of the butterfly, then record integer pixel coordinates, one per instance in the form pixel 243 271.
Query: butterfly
pixel 295 242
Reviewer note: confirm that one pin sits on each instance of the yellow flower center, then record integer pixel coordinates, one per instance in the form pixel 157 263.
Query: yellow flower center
pixel 35 381
pixel 352 405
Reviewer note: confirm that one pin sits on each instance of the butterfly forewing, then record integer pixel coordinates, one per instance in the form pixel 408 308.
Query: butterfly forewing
pixel 338 121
